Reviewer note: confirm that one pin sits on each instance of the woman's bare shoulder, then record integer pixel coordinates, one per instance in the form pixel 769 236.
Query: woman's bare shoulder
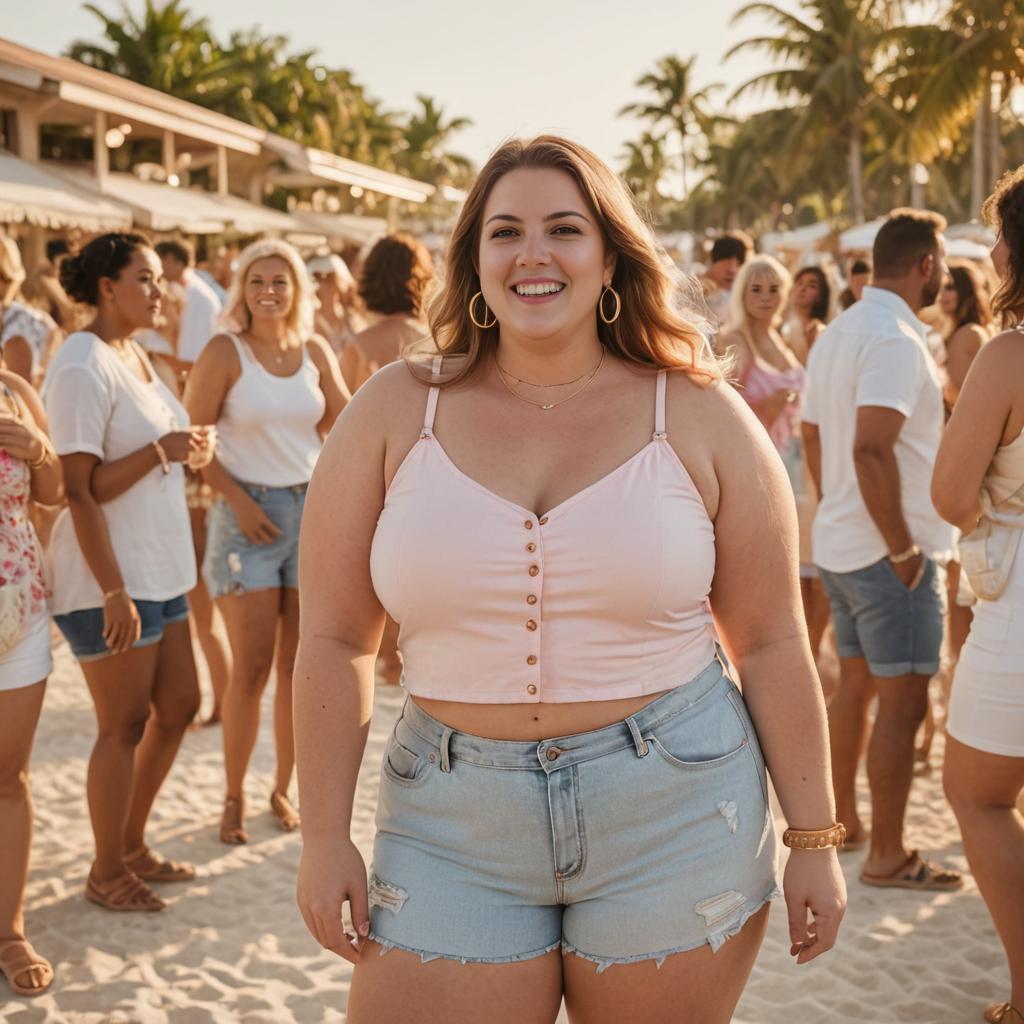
pixel 714 407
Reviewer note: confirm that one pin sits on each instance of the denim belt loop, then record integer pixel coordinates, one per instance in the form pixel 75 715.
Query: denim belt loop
pixel 638 741
pixel 446 735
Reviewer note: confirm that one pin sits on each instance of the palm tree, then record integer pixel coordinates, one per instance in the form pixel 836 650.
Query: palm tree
pixel 645 165
pixel 831 70
pixel 676 104
pixel 425 155
pixel 977 46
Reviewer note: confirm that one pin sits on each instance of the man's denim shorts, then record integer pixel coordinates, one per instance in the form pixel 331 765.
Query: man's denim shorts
pixel 645 838
pixel 83 629
pixel 234 564
pixel 898 631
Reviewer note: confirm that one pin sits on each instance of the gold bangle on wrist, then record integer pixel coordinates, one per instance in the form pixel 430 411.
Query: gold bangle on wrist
pixel 41 461
pixel 820 839
pixel 113 593
pixel 165 464
pixel 905 556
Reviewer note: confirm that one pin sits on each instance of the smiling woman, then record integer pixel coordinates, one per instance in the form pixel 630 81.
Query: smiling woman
pixel 558 597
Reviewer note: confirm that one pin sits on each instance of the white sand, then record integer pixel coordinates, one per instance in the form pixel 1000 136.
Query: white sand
pixel 232 946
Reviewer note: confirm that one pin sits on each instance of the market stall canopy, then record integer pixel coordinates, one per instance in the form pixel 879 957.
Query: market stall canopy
pixel 965 249
pixel 343 227
pixel 860 237
pixel 29 194
pixel 796 240
pixel 306 167
pixel 247 218
pixel 973 230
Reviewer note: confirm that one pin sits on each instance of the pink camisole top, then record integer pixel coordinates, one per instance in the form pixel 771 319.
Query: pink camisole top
pixel 603 596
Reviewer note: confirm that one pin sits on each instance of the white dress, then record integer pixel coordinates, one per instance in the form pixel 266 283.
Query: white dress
pixel 987 705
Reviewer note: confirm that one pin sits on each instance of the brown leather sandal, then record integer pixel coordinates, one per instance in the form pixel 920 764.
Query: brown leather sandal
pixel 151 867
pixel 18 959
pixel 232 831
pixel 127 893
pixel 917 873
pixel 1003 1013
pixel 287 817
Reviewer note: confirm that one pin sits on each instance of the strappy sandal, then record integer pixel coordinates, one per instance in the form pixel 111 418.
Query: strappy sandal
pixel 127 893
pixel 151 867
pixel 287 817
pixel 232 831
pixel 1003 1013
pixel 917 873
pixel 18 958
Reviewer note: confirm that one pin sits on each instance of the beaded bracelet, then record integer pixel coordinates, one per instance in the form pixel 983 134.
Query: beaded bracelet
pixel 819 839
pixel 165 464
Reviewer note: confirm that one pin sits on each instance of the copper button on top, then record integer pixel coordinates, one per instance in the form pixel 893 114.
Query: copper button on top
pixel 534 570
pixel 543 520
pixel 531 598
pixel 531 546
pixel 531 688
pixel 532 660
pixel 528 524
pixel 531 625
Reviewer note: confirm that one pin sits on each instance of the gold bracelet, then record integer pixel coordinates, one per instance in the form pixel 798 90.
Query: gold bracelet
pixel 820 839
pixel 165 464
pixel 905 556
pixel 41 461
pixel 113 593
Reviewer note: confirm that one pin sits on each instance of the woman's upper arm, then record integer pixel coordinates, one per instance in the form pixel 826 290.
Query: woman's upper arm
pixel 975 430
pixel 755 596
pixel 344 501
pixel 960 352
pixel 332 384
pixel 29 398
pixel 210 379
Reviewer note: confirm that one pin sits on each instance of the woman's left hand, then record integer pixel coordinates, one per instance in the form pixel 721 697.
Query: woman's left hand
pixel 813 881
pixel 21 439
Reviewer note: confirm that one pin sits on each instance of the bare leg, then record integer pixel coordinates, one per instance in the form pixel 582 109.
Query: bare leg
pixel 19 715
pixel 121 686
pixel 817 612
pixel 175 701
pixel 287 645
pixel 848 729
pixel 698 987
pixel 983 790
pixel 397 986
pixel 251 620
pixel 208 623
pixel 902 705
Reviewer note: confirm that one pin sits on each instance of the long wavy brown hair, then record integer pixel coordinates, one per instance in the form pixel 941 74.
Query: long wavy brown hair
pixel 1004 211
pixel 650 332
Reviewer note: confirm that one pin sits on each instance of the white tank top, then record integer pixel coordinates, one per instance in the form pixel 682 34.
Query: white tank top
pixel 267 429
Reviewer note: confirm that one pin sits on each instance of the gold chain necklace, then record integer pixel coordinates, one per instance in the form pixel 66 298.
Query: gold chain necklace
pixel 530 384
pixel 551 405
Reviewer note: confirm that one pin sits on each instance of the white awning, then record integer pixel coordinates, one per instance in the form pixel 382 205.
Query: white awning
pixel 798 239
pixel 860 237
pixel 155 206
pixel 247 218
pixel 311 167
pixel 30 194
pixel 343 227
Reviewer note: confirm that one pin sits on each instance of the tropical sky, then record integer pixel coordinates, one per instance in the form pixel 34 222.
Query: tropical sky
pixel 513 69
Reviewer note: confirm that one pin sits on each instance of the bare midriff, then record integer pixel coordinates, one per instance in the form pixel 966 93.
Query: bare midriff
pixel 531 722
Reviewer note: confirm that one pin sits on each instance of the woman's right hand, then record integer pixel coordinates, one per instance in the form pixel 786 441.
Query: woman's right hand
pixel 329 876
pixel 179 444
pixel 121 623
pixel 254 523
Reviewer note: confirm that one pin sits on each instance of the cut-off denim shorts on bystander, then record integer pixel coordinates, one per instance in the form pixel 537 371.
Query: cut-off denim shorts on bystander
pixel 83 629
pixel 236 565
pixel 648 837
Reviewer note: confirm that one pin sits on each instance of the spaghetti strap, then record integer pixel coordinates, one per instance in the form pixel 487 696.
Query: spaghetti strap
pixel 428 419
pixel 659 407
pixel 241 348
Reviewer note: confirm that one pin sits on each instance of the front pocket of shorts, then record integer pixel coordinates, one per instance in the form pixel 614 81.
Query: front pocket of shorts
pixel 401 765
pixel 704 736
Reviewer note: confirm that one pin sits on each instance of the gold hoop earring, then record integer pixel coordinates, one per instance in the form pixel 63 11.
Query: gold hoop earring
pixel 618 305
pixel 472 306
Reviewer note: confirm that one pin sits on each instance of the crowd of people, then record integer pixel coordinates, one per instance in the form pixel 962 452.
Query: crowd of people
pixel 570 591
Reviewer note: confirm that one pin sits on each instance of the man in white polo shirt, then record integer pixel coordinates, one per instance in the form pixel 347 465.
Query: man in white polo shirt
pixel 202 306
pixel 872 421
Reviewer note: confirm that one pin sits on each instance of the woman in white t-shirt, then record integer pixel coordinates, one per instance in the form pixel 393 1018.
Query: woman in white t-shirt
pixel 121 557
pixel 274 389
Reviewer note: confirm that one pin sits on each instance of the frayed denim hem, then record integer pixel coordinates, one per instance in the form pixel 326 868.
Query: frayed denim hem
pixel 427 957
pixel 715 939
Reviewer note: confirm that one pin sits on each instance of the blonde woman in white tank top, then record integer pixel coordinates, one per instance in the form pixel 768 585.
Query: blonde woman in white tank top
pixel 984 446
pixel 274 390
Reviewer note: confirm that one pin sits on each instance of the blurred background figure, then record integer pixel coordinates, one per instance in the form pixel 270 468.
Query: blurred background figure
pixel 200 306
pixel 858 274
pixel 811 307
pixel 338 318
pixel 394 285
pixel 26 333
pixel 728 253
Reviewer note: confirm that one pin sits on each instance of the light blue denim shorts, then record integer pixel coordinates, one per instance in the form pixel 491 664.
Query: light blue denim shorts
pixel 645 838
pixel 878 618
pixel 236 565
